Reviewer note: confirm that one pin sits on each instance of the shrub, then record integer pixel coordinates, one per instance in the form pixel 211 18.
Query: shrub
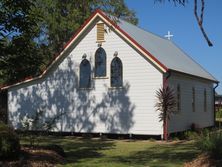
pixel 211 143
pixel 219 114
pixel 9 142
pixel 191 135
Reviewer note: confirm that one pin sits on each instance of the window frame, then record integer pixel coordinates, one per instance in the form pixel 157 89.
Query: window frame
pixel 178 97
pixel 100 77
pixel 193 99
pixel 90 84
pixel 205 100
pixel 116 87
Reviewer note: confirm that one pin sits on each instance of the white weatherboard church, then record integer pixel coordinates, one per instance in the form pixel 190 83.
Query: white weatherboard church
pixel 105 81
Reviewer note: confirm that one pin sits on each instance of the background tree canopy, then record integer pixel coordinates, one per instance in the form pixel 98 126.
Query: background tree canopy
pixel 31 32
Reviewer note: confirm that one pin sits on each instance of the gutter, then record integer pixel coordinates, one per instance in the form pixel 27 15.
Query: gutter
pixel 214 107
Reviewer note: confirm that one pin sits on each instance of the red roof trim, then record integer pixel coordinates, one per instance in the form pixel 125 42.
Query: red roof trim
pixel 71 39
pixel 130 38
pixel 5 86
pixel 56 55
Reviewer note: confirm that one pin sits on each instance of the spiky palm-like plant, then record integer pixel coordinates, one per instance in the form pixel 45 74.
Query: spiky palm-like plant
pixel 166 105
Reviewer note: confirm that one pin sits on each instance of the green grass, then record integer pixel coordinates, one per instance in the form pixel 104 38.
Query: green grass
pixel 122 153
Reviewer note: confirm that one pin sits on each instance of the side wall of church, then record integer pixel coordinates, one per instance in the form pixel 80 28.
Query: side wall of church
pixel 200 111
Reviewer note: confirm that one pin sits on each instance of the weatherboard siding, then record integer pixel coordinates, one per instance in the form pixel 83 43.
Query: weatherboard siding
pixel 101 109
pixel 183 120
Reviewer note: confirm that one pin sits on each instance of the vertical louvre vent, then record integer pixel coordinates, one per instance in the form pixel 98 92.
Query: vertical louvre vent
pixel 100 32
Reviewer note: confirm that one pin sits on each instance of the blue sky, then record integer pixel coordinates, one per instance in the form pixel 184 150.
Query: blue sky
pixel 161 17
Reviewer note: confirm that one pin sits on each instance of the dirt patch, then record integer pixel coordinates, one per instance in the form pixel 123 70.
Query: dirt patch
pixel 35 157
pixel 204 160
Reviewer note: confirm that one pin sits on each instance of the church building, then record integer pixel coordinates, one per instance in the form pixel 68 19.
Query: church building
pixel 105 81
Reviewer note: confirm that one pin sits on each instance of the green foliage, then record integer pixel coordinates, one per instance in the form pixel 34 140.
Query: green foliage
pixel 190 135
pixel 9 142
pixel 32 32
pixel 219 114
pixel 63 18
pixel 18 28
pixel 166 102
pixel 211 142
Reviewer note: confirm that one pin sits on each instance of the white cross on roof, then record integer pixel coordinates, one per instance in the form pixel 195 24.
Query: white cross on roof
pixel 168 36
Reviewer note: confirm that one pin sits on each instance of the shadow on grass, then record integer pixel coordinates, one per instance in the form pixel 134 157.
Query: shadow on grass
pixel 78 149
pixel 86 149
pixel 160 155
pixel 87 152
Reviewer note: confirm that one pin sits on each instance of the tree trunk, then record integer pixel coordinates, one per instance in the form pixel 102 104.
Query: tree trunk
pixel 165 129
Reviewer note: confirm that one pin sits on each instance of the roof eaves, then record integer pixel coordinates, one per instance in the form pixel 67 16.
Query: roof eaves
pixel 214 81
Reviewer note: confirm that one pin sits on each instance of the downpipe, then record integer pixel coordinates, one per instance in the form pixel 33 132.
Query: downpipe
pixel 214 92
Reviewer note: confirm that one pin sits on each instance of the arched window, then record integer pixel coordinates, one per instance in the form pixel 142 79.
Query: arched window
pixel 100 63
pixel 205 100
pixel 85 74
pixel 116 72
pixel 178 98
pixel 193 99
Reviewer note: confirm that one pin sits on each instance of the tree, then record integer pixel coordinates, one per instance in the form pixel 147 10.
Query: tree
pixel 32 32
pixel 63 18
pixel 199 18
pixel 166 105
pixel 18 29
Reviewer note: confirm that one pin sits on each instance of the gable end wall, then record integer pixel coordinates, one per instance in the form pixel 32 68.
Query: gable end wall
pixel 100 109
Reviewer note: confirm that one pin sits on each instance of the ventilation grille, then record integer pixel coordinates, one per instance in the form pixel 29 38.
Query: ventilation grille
pixel 100 32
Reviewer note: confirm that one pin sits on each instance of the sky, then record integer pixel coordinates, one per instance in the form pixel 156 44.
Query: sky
pixel 159 18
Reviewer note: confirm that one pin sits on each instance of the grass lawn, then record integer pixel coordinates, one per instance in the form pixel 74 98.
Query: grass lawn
pixel 121 153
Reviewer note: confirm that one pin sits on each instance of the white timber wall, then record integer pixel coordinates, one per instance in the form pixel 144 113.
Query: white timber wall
pixel 101 109
pixel 186 117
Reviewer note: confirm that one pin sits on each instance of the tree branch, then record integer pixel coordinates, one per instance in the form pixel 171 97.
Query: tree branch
pixel 3 61
pixel 200 20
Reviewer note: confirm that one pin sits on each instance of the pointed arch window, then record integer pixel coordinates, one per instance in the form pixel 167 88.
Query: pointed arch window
pixel 116 72
pixel 193 99
pixel 205 100
pixel 100 63
pixel 85 74
pixel 178 98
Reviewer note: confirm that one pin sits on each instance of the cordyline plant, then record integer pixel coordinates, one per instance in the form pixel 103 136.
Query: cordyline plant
pixel 166 105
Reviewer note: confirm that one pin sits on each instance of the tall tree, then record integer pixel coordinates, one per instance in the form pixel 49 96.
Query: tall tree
pixel 63 18
pixel 20 56
pixel 31 32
